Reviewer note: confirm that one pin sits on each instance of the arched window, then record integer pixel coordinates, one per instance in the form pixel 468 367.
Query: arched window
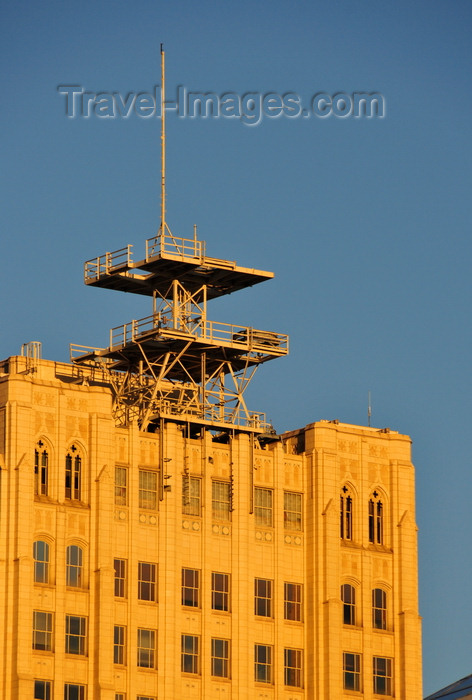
pixel 41 460
pixel 348 597
pixel 41 561
pixel 74 566
pixel 345 514
pixel 379 609
pixel 376 518
pixel 73 474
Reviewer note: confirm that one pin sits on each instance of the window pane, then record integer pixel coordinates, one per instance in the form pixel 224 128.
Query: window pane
pixel 147 489
pixel 220 591
pixel 191 496
pixel 352 671
pixel 293 667
pixel 75 634
pixel 348 597
pixel 42 630
pixel 220 658
pixel 74 566
pixel 263 507
pixel 72 691
pixel 263 597
pixel 42 690
pixel 120 577
pixel 263 663
pixel 189 654
pixel 293 601
pixel 146 648
pixel 190 587
pixel 121 483
pixel 119 639
pixel 41 561
pixel 221 500
pixel 292 511
pixel 147 581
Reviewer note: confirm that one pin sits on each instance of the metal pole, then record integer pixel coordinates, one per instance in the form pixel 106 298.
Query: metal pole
pixel 163 143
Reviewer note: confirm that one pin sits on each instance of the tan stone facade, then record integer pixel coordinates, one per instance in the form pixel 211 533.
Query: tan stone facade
pixel 197 564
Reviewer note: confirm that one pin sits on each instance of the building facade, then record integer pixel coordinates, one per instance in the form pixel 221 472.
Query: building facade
pixel 192 560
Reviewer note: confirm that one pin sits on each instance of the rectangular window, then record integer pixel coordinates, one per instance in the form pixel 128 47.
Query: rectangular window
pixel 383 678
pixel 190 587
pixel 379 609
pixel 293 667
pixel 263 597
pixel 191 495
pixel 262 663
pixel 120 696
pixel 73 691
pixel 220 658
pixel 263 507
pixel 76 635
pixel 41 561
pixel 190 654
pixel 121 486
pixel 120 577
pixel 42 630
pixel 74 560
pixel 293 601
pixel 146 648
pixel 221 500
pixel 119 644
pixel 147 490
pixel 351 671
pixel 293 511
pixel 145 697
pixel 220 591
pixel 42 690
pixel 147 578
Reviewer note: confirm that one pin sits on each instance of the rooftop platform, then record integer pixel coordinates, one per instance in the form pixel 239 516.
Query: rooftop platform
pixel 167 259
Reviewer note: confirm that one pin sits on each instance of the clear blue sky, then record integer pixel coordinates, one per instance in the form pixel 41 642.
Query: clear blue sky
pixel 366 223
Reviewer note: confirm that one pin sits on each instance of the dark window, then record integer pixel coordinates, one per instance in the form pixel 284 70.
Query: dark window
pixel 379 609
pixel 73 691
pixel 376 528
pixel 120 577
pixel 190 587
pixel 41 561
pixel 220 658
pixel 348 597
pixel 345 514
pixel 293 667
pixel 383 679
pixel 146 648
pixel 42 630
pixel 41 462
pixel 76 631
pixel 74 560
pixel 263 597
pixel 293 601
pixel 147 578
pixel 147 490
pixel 351 671
pixel 262 663
pixel 73 474
pixel 220 591
pixel 42 690
pixel 119 643
pixel 190 654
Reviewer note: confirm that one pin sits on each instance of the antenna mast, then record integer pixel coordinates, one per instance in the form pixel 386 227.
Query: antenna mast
pixel 369 410
pixel 163 143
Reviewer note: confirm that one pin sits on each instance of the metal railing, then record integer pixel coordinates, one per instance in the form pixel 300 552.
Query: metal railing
pixel 212 332
pixel 96 268
pixel 163 244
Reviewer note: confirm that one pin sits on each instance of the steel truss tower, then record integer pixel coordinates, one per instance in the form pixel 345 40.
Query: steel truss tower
pixel 176 363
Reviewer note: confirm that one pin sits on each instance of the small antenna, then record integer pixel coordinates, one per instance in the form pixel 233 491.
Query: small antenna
pixel 163 143
pixel 369 409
